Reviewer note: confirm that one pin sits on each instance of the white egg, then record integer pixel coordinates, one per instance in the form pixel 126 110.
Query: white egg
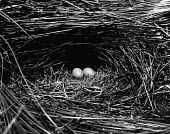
pixel 77 73
pixel 88 72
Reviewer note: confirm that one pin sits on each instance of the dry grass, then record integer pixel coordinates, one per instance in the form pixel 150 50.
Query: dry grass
pixel 128 94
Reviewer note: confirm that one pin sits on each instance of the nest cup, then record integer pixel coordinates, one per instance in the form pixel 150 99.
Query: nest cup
pixel 78 48
pixel 84 49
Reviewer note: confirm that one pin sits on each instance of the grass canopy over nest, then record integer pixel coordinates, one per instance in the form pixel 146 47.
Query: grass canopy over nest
pixel 125 42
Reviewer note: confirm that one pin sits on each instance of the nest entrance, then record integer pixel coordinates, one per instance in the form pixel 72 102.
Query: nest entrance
pixel 83 55
pixel 77 48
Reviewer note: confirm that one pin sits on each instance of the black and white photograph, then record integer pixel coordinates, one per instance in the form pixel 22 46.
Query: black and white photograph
pixel 84 66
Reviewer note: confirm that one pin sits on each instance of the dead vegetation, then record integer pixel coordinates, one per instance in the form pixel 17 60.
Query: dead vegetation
pixel 126 44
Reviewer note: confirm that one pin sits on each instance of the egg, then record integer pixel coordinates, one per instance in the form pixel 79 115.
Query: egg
pixel 88 72
pixel 77 73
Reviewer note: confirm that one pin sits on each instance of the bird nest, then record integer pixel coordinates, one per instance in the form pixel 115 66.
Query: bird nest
pixel 125 42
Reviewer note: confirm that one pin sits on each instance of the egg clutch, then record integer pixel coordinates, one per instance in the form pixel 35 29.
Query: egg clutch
pixel 78 73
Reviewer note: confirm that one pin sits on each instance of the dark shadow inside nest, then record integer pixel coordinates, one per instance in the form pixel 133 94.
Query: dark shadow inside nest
pixel 78 48
pixel 74 55
pixel 84 55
